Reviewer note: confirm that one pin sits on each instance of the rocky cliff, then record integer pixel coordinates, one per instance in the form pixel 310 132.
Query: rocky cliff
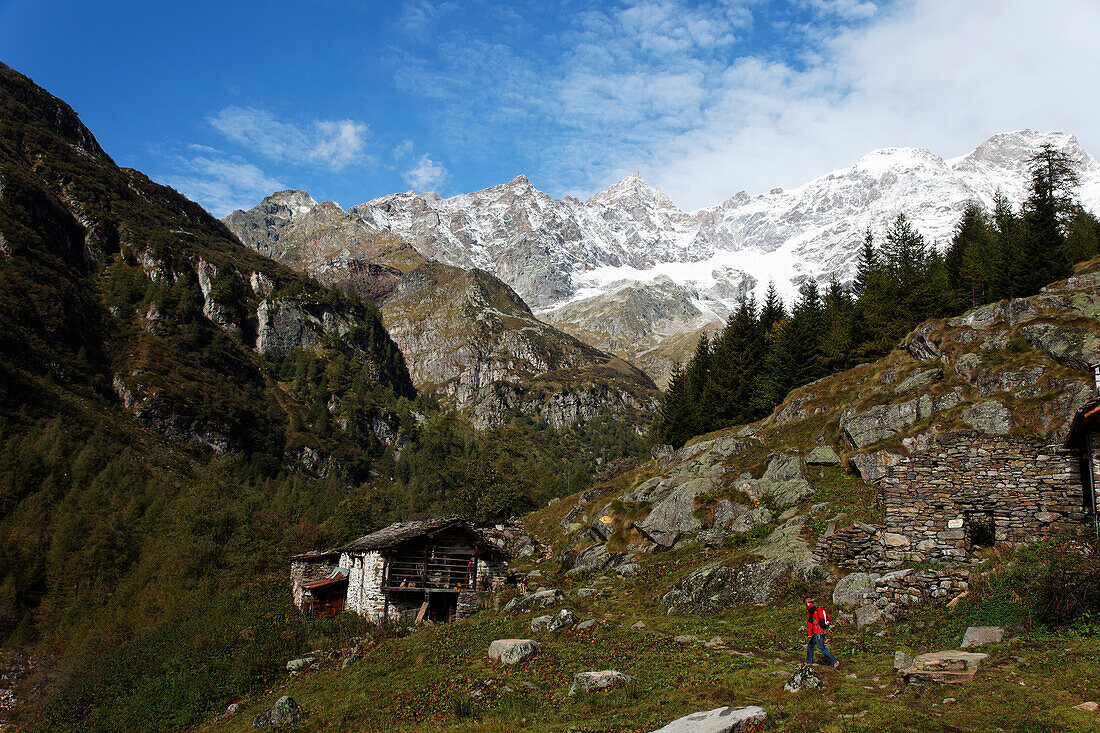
pixel 118 288
pixel 466 334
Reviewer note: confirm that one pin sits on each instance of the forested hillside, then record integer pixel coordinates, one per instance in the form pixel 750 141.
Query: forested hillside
pixel 178 414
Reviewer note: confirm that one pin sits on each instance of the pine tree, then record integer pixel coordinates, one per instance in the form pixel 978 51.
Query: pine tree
pixel 1047 214
pixel 735 363
pixel 866 265
pixel 837 320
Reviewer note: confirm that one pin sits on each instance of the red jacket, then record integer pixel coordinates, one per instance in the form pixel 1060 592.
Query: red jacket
pixel 816 622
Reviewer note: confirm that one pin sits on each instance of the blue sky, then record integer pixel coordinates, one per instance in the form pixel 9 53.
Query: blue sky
pixel 230 101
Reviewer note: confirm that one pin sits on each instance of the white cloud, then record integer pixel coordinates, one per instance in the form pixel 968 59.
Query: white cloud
pixel 221 184
pixel 332 143
pixel 402 149
pixel 426 174
pixel 710 98
pixel 942 76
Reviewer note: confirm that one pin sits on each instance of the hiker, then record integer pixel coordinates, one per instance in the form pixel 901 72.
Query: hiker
pixel 816 623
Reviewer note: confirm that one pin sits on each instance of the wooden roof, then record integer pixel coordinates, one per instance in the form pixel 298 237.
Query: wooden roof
pixel 402 532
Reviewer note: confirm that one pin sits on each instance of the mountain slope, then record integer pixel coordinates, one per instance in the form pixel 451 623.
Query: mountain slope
pixel 465 333
pixel 715 616
pixel 177 413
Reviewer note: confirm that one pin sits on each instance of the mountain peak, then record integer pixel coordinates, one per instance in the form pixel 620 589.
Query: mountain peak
pixel 631 187
pixel 298 201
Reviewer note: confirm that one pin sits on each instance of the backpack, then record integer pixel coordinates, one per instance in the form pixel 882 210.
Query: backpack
pixel 824 619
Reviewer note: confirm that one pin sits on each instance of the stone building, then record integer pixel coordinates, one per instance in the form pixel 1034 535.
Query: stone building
pixel 409 571
pixel 969 490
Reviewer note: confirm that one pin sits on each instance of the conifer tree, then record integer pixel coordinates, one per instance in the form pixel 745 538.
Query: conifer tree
pixel 866 265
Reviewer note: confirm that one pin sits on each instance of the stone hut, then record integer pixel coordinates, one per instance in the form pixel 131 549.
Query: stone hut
pixel 969 490
pixel 409 571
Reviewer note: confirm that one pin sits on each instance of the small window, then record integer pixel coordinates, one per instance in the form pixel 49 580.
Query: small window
pixel 981 530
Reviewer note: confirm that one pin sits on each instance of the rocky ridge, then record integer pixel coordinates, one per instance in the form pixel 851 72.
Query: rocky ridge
pixel 571 260
pixel 466 335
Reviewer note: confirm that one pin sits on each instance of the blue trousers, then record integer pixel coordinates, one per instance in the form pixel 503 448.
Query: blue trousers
pixel 818 640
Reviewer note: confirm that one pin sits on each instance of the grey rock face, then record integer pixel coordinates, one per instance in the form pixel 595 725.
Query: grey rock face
pixel 872 466
pixel 532 602
pixel 513 651
pixel 902 661
pixel 823 455
pixel 853 588
pixel 751 519
pixel 880 422
pixel 979 635
pixel 715 588
pixel 586 682
pixel 285 324
pixel 283 712
pixel 673 516
pixel 719 720
pixel 989 417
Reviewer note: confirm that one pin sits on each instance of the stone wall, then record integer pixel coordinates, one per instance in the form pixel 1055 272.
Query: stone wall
pixel 904 588
pixel 968 489
pixel 304 570
pixel 365 596
pixel 859 546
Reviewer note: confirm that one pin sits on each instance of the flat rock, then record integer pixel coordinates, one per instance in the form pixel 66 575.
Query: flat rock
pixel 720 720
pixel 284 711
pixel 952 667
pixel 1090 706
pixel 586 624
pixel 513 651
pixel 979 635
pixel 852 589
pixel 297 664
pixel 714 588
pixel 586 682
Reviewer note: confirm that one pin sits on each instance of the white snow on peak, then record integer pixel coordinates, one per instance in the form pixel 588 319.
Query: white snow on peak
pixel 553 251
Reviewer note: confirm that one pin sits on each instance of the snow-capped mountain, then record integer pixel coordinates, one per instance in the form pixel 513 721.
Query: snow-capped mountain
pixel 557 251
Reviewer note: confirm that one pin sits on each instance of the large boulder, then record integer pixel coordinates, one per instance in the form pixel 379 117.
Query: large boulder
pixel 283 712
pixel 586 682
pixel 783 481
pixel 823 455
pixel 872 466
pixel 532 601
pixel 674 516
pixel 979 635
pixel 720 720
pixel 853 588
pixel 561 620
pixel 869 615
pixel 513 651
pixel 880 422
